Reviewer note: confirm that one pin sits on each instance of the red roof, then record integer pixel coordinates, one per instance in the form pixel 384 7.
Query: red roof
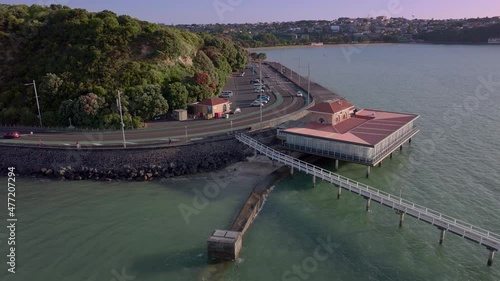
pixel 213 101
pixel 368 127
pixel 331 107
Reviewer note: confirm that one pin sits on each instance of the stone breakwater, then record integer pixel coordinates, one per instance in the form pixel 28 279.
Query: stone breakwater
pixel 133 164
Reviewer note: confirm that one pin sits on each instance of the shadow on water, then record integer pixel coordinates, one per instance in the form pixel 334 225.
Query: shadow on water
pixel 170 262
pixel 191 260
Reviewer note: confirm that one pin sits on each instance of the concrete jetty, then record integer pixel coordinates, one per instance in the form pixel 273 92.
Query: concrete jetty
pixel 320 93
pixel 226 244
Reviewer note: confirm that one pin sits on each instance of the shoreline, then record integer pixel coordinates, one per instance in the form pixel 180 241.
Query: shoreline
pixel 325 45
pixel 373 44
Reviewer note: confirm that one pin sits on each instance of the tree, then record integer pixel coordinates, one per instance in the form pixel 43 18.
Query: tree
pixel 261 56
pixel 80 52
pixel 177 96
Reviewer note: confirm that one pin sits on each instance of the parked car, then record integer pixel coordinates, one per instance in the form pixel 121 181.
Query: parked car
pixel 265 97
pixel 257 103
pixel 262 100
pixel 259 90
pixel 236 110
pixel 11 135
pixel 300 94
pixel 226 94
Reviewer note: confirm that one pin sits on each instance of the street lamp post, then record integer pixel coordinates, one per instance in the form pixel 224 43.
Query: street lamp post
pixel 37 103
pixel 119 102
pixel 308 83
pixel 261 106
pixel 260 71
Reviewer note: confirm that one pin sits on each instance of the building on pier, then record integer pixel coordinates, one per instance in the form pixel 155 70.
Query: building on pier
pixel 336 129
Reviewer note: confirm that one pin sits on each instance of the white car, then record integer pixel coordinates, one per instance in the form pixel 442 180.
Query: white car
pixel 264 101
pixel 257 103
pixel 259 90
pixel 226 94
pixel 300 94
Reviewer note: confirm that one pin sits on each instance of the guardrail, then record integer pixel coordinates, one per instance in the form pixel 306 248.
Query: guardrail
pixel 444 222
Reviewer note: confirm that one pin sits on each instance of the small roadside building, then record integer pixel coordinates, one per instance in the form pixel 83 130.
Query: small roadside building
pixel 337 130
pixel 212 108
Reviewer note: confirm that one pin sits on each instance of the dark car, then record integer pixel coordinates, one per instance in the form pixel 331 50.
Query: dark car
pixel 11 135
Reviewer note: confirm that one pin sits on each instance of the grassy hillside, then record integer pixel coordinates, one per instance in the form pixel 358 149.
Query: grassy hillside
pixel 80 60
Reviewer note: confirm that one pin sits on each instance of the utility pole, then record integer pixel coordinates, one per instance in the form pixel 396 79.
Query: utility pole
pixel 37 103
pixel 298 69
pixel 119 103
pixel 308 83
pixel 261 106
pixel 260 71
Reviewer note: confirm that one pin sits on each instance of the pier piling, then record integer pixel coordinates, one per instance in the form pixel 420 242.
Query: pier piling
pixel 339 194
pixel 291 170
pixel 368 170
pixel 368 204
pixel 441 237
pixel 401 218
pixel 401 148
pixel 336 164
pixel 380 164
pixel 490 257
pixel 314 181
pixel 390 155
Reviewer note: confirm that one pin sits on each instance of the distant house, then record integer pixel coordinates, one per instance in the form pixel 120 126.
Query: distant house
pixel 335 28
pixel 494 40
pixel 212 108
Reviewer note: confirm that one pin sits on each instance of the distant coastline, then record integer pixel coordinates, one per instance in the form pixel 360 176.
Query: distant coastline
pixel 322 46
pixel 371 44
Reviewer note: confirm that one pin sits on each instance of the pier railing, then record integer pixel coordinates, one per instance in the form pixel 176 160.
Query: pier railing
pixel 444 222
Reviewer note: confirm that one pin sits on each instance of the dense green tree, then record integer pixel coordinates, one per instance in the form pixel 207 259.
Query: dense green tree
pixel 71 52
pixel 177 96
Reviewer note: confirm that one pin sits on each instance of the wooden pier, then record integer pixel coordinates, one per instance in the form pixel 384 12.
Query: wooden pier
pixel 403 207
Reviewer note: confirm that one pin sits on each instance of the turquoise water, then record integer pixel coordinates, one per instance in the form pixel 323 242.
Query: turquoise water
pixel 88 231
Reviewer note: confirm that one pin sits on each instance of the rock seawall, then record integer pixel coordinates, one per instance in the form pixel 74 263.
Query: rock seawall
pixel 134 164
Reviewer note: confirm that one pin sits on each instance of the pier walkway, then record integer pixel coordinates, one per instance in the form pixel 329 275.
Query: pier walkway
pixel 443 222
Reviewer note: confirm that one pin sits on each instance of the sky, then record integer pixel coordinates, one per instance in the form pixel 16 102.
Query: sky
pixel 252 11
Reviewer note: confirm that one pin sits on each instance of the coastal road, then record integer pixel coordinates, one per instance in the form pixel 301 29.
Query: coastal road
pixel 283 101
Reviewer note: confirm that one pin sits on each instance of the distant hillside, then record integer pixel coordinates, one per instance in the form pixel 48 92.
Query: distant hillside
pixel 81 59
pixel 473 35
